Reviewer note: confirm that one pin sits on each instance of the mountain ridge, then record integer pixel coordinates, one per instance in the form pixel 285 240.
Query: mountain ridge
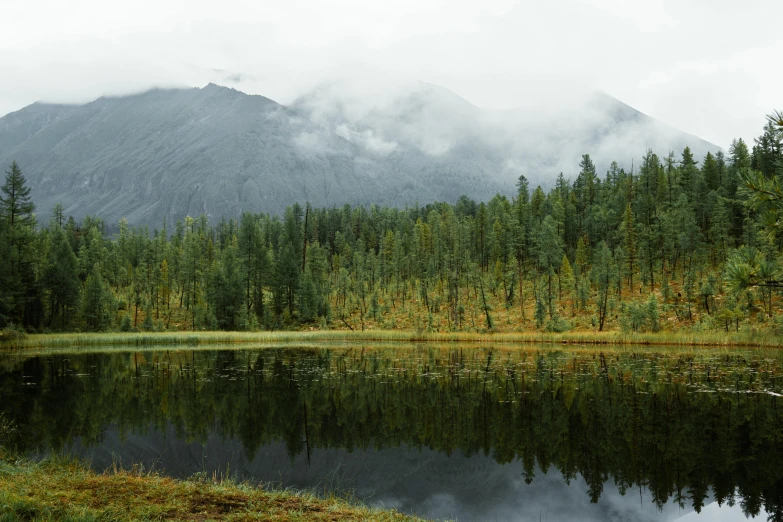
pixel 164 153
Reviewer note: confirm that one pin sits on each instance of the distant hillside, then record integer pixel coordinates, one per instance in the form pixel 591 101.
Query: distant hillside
pixel 429 129
pixel 168 153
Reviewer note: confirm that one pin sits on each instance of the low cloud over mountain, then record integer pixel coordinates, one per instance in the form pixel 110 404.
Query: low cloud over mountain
pixel 167 153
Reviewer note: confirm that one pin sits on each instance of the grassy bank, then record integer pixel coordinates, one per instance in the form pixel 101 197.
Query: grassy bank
pixel 684 338
pixel 67 490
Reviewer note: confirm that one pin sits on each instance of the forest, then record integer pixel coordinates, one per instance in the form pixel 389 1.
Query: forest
pixel 671 244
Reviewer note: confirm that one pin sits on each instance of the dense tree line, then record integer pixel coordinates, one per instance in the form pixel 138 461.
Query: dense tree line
pixel 672 242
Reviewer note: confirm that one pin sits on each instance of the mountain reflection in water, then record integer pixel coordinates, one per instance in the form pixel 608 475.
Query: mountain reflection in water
pixel 473 434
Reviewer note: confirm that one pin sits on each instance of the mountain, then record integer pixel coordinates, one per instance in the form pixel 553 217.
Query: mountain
pixel 215 150
pixel 167 153
pixel 429 129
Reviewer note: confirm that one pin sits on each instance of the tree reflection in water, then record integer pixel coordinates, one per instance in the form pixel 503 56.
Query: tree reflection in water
pixel 683 425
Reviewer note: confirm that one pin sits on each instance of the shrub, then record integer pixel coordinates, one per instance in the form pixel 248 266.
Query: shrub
pixel 641 317
pixel 706 323
pixel 651 311
pixel 540 312
pixel 148 325
pixel 125 324
pixel 632 317
pixel 12 334
pixel 557 325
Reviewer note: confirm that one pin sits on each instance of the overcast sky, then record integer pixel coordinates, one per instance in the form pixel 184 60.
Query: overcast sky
pixel 709 67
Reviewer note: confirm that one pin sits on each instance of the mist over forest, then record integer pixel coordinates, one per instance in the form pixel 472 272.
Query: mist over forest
pixel 391 261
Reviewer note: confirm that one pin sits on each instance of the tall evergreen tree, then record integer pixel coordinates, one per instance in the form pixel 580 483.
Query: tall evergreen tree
pixel 97 305
pixel 16 205
pixel 629 242
pixel 604 273
pixel 689 173
pixel 61 281
pixel 16 211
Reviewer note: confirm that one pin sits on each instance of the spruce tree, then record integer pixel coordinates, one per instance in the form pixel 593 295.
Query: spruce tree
pixel 688 173
pixel 16 205
pixel 96 306
pixel 61 281
pixel 629 242
pixel 18 235
pixel 567 283
pixel 604 273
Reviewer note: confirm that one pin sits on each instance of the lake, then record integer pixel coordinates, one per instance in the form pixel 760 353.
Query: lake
pixel 525 433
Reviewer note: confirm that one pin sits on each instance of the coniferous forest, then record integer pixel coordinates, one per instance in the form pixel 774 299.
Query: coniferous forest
pixel 672 244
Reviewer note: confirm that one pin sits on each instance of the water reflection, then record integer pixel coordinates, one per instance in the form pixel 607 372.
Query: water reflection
pixel 505 434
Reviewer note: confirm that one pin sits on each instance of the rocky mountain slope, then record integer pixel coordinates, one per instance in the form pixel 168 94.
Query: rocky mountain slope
pixel 167 153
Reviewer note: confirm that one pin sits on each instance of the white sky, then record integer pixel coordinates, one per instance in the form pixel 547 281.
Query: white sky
pixel 709 67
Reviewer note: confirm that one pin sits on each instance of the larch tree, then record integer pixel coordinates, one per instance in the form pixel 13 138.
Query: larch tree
pixel 630 244
pixel 604 272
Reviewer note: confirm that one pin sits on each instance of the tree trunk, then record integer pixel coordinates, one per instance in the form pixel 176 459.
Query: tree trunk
pixel 486 308
pixel 304 238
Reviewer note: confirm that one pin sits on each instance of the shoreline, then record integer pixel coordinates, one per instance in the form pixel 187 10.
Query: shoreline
pixel 63 489
pixel 588 338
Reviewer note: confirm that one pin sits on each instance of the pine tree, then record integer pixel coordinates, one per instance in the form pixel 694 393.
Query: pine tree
pixel 308 299
pixel 710 172
pixel 16 206
pixel 566 281
pixel 582 260
pixel 58 215
pixel 226 290
pixel 191 270
pixel 604 273
pixel 688 173
pixel 630 243
pixel 768 151
pixel 97 306
pixel 720 227
pixel 7 280
pixel 550 254
pixel 761 186
pixel 18 278
pixel 286 278
pixel 61 281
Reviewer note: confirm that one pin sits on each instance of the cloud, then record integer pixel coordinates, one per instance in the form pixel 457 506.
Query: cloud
pixel 367 140
pixel 702 68
pixel 314 143
pixel 541 140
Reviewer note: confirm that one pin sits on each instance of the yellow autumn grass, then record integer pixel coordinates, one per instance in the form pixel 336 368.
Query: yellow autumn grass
pixel 680 338
pixel 62 489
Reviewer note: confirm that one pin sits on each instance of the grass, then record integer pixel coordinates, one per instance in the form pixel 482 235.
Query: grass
pixel 60 489
pixel 681 338
pixel 407 322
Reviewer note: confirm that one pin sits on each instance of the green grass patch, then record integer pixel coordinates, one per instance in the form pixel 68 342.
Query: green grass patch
pixel 161 339
pixel 61 489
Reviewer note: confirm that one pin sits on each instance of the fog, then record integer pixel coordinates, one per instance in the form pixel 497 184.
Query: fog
pixel 413 122
pixel 699 66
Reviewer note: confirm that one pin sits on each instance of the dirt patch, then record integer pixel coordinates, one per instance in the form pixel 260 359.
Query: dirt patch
pixel 211 504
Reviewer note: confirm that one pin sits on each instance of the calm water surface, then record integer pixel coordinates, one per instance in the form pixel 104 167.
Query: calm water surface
pixel 527 434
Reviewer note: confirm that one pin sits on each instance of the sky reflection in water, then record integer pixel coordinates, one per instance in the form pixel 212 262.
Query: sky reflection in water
pixel 439 431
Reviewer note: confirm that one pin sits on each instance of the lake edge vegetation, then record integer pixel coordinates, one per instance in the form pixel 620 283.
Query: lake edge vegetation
pixel 675 247
pixel 60 488
pixel 213 338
